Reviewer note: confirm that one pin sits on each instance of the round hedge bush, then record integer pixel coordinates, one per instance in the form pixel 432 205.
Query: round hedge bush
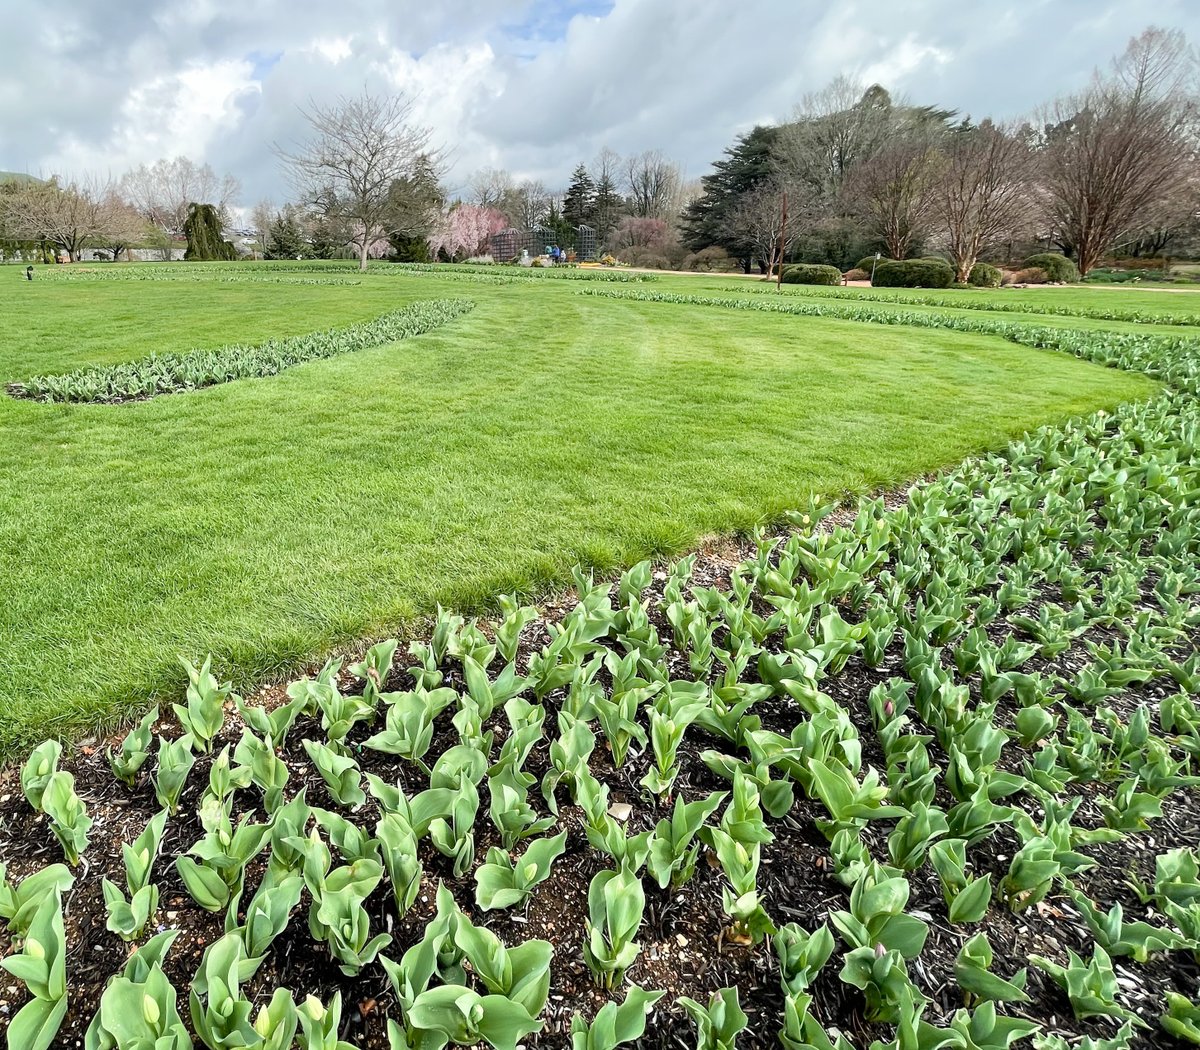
pixel 913 273
pixel 984 275
pixel 869 261
pixel 857 274
pixel 811 273
pixel 1031 275
pixel 1057 267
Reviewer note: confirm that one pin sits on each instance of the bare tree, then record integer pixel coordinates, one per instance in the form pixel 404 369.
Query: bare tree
pixel 359 148
pixel 893 193
pixel 121 225
pixel 69 216
pixel 163 191
pixel 1115 153
pixel 1175 217
pixel 757 219
pixel 653 184
pixel 606 175
pixel 490 188
pixel 527 204
pixel 261 217
pixel 832 131
pixel 983 193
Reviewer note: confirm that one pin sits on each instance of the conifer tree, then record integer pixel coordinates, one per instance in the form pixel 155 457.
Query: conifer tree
pixel 202 227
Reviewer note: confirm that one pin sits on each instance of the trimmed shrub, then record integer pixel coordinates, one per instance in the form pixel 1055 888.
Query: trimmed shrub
pixel 1030 275
pixel 1056 267
pixel 869 261
pixel 857 275
pixel 710 260
pixel 811 273
pixel 647 258
pixel 913 273
pixel 984 275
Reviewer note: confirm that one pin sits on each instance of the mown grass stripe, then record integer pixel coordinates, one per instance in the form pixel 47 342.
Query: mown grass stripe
pixel 1174 360
pixel 172 373
pixel 991 305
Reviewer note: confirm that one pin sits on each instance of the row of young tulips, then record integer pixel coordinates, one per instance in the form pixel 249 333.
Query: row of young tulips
pixel 987 302
pixel 1172 359
pixel 182 273
pixel 194 369
pixel 274 276
pixel 1079 540
pixel 258 271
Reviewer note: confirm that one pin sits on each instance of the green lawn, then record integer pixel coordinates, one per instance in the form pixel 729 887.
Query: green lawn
pixel 268 520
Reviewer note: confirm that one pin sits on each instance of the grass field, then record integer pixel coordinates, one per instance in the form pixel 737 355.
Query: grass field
pixel 268 520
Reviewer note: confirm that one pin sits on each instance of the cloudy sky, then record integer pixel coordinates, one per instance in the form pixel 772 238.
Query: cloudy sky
pixel 533 86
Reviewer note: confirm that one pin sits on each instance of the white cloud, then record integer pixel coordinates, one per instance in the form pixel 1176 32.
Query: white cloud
pixel 333 49
pixel 909 56
pixel 531 85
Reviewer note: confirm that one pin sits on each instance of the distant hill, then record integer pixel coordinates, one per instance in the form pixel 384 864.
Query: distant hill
pixel 18 176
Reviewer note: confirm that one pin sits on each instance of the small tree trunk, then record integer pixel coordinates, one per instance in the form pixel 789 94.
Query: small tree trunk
pixel 1088 256
pixel 362 255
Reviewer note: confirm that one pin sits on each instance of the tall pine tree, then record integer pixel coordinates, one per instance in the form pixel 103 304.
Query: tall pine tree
pixel 609 207
pixel 579 202
pixel 706 220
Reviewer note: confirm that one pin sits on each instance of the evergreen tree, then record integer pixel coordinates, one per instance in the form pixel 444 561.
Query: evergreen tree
pixel 705 221
pixel 415 203
pixel 610 206
pixel 579 202
pixel 285 240
pixel 327 239
pixel 202 227
pixel 563 229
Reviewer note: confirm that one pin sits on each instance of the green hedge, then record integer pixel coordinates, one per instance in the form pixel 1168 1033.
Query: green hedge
pixel 984 275
pixel 171 373
pixel 869 261
pixel 811 273
pixel 1057 267
pixel 913 273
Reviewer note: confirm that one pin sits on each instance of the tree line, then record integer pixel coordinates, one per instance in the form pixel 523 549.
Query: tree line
pixel 1108 168
pixel 1111 167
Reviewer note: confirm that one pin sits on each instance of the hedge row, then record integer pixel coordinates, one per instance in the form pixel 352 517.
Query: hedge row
pixel 913 273
pixel 811 273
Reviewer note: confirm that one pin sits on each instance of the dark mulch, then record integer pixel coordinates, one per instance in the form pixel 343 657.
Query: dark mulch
pixel 685 950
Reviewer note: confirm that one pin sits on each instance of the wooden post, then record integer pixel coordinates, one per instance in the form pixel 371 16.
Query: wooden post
pixel 782 242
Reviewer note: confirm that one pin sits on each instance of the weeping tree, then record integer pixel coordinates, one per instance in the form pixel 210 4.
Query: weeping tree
pixel 202 227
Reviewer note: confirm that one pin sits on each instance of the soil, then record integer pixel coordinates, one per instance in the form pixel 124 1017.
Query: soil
pixel 686 947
